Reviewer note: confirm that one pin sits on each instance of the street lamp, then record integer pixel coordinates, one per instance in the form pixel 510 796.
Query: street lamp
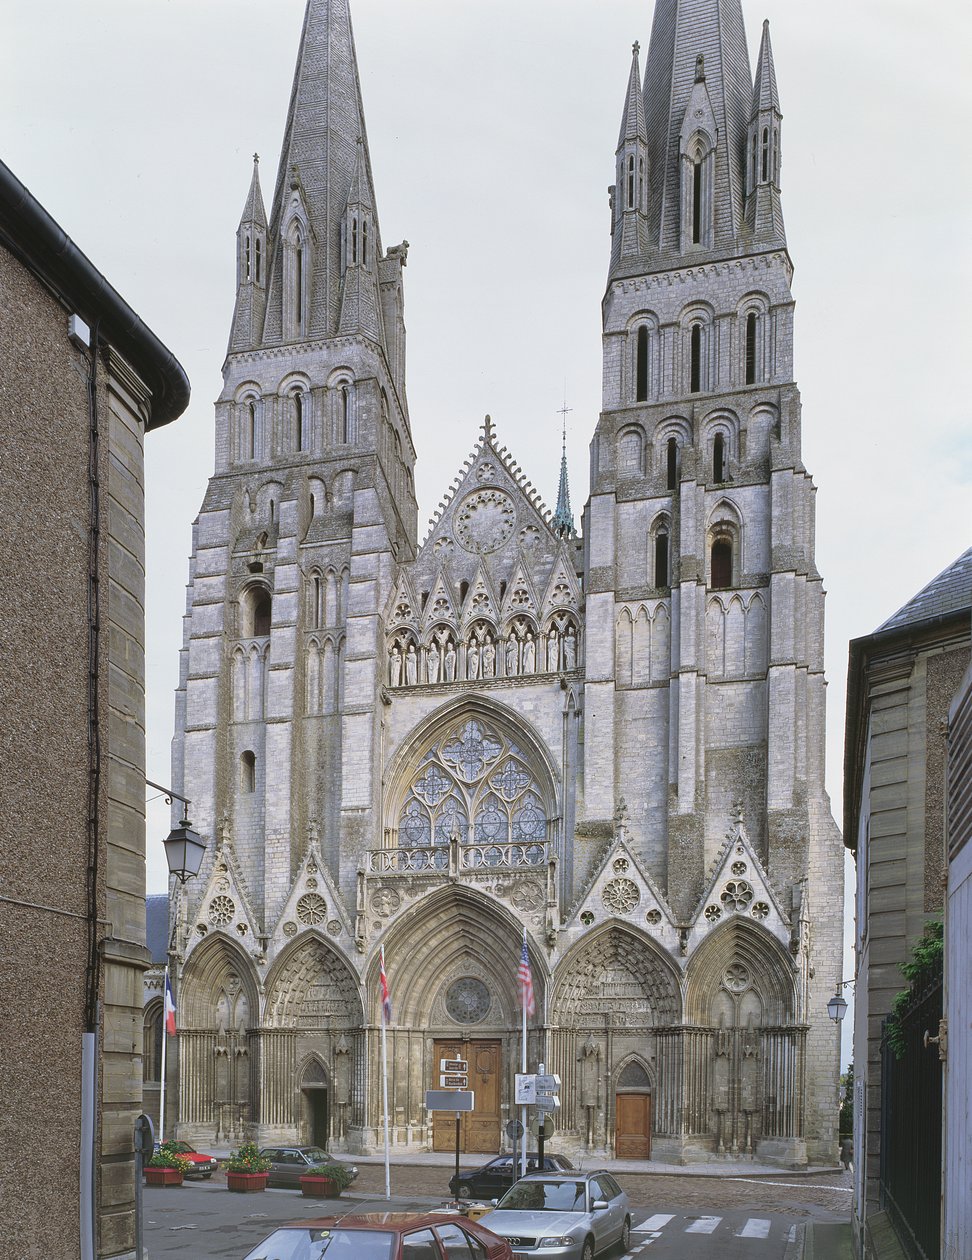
pixel 184 848
pixel 837 1006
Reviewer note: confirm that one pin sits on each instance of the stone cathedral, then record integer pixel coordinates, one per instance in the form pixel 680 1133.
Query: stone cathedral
pixel 611 735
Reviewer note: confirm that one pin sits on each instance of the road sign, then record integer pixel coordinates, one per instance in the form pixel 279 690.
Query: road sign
pixel 450 1100
pixel 547 1102
pixel 544 1122
pixel 453 1080
pixel 514 1130
pixel 525 1092
pixel 548 1082
pixel 453 1065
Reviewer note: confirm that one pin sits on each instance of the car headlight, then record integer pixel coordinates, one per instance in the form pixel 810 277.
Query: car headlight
pixel 565 1241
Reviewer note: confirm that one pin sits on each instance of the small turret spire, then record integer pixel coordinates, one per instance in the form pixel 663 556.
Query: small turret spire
pixel 629 197
pixel 563 518
pixel 764 210
pixel 251 268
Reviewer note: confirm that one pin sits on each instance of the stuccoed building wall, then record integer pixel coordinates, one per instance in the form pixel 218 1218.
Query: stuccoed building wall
pixel 72 875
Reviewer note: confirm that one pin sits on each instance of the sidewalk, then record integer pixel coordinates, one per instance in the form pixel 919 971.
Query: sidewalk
pixel 720 1168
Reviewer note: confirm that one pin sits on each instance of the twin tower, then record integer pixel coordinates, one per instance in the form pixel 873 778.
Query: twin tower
pixel 613 737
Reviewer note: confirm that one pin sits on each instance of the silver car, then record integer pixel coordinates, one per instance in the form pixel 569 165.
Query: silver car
pixel 562 1217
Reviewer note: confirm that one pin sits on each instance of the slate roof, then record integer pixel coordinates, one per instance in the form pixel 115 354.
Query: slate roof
pixel 950 592
pixel 157 926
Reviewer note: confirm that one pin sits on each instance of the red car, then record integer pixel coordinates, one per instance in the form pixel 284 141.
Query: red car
pixel 383 1236
pixel 202 1165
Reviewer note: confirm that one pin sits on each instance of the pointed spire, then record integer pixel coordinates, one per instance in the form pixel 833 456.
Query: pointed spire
pixel 246 329
pixel 253 210
pixel 633 125
pixel 562 520
pixel 320 160
pixel 696 47
pixel 765 94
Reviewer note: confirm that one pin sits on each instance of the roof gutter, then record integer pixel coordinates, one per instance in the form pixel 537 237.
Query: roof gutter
pixel 31 235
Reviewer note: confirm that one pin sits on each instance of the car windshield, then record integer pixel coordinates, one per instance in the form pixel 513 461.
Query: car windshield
pixel 335 1244
pixel 182 1147
pixel 314 1154
pixel 544 1196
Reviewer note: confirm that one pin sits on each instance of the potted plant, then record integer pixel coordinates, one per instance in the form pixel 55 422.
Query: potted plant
pixel 166 1167
pixel 247 1170
pixel 325 1181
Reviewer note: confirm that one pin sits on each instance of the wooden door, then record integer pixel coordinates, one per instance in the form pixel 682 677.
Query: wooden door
pixel 632 1132
pixel 479 1130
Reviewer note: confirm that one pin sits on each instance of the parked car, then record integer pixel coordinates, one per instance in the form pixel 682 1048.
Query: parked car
pixel 382 1236
pixel 567 1217
pixel 289 1163
pixel 202 1165
pixel 491 1180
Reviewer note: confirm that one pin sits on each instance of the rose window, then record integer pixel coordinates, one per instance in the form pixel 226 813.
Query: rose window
pixel 221 910
pixel 311 909
pixel 736 895
pixel 736 977
pixel 713 914
pixel 467 1000
pixel 760 910
pixel 477 787
pixel 739 868
pixel 621 896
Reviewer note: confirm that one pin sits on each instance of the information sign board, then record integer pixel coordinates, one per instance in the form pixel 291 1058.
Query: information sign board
pixel 453 1080
pixel 525 1091
pixel 453 1065
pixel 450 1100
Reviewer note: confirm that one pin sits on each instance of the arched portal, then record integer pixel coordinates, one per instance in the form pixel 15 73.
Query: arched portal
pixel 313 1082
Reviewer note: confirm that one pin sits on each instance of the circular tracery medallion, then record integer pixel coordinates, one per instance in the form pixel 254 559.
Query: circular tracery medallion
pixel 621 895
pixel 485 520
pixel 221 910
pixel 311 909
pixel 467 1000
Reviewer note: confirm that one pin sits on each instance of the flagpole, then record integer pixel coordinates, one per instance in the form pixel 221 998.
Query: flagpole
pixel 523 1068
pixel 384 1079
pixel 165 1038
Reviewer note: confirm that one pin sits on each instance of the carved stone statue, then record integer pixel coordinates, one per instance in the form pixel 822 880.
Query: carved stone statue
pixel 450 661
pixel 432 663
pixel 489 659
pixel 511 656
pixel 570 651
pixel 529 655
pixel 411 665
pixel 553 650
pixel 472 659
pixel 395 667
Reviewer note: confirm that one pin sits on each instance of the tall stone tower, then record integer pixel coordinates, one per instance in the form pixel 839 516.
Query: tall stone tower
pixel 614 744
pixel 704 690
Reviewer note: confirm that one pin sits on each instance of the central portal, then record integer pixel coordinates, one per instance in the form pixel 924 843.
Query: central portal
pixel 479 1130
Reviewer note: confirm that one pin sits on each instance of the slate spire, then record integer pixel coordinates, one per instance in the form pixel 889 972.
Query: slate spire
pixel 323 156
pixel 764 210
pixel 562 520
pixel 251 268
pixel 630 193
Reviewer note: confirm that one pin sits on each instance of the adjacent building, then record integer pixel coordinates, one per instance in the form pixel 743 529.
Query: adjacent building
pixel 901 683
pixel 612 738
pixel 82 380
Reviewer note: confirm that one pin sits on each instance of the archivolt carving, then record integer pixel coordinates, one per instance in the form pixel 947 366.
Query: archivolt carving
pixel 739 948
pixel 312 987
pixel 617 972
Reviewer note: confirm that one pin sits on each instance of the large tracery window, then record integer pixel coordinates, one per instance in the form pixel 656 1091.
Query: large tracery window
pixel 475 786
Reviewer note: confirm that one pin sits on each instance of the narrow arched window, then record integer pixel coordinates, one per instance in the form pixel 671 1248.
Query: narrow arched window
pixel 364 243
pixel 721 563
pixel 765 174
pixel 751 325
pixel 273 510
pixel 697 202
pixel 262 612
pixel 672 463
pixel 631 182
pixel 662 577
pixel 316 601
pixel 298 420
pixel 719 458
pixel 641 366
pixel 776 156
pixel 354 240
pixel 250 437
pixel 246 257
pixel 248 772
pixel 753 161
pixel 695 364
pixel 344 419
pixel 259 251
pixel 299 283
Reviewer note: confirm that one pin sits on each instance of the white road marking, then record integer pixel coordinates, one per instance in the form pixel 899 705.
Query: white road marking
pixel 790 1185
pixel 755 1228
pixel 704 1225
pixel 658 1221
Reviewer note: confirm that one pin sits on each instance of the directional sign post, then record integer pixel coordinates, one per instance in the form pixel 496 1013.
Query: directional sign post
pixel 457 1100
pixel 548 1099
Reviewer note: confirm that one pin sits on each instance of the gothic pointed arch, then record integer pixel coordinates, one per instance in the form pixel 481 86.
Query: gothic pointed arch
pixel 219 985
pixel 742 961
pixel 311 986
pixel 454 966
pixel 620 969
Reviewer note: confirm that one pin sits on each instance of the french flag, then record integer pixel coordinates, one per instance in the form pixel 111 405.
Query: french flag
pixel 170 1008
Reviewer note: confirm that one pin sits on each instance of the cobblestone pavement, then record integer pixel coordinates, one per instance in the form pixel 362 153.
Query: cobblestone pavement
pixel 826 1197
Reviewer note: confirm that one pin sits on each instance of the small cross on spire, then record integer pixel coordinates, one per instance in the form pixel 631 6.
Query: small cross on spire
pixel 636 48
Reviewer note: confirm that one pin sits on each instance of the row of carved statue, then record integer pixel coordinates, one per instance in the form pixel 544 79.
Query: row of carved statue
pixel 480 656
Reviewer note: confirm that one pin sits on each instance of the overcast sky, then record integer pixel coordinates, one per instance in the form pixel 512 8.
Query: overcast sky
pixel 492 129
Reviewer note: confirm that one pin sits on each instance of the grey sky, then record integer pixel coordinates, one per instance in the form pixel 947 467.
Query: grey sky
pixel 492 129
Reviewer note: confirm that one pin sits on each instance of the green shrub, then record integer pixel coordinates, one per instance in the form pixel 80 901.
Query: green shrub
pixel 338 1173
pixel 925 965
pixel 247 1160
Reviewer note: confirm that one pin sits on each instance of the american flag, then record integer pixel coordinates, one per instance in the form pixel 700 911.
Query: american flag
pixel 524 978
pixel 383 982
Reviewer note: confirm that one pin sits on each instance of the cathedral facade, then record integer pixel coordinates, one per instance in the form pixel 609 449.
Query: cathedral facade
pixel 612 737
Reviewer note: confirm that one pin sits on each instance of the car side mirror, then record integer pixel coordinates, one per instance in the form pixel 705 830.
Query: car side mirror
pixel 494 1202
pixel 599 1205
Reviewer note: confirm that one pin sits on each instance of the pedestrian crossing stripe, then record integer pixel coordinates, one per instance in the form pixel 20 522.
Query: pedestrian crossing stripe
pixel 704 1225
pixel 650 1229
pixel 755 1228
pixel 659 1221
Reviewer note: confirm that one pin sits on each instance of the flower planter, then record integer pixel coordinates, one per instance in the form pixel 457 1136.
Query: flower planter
pixel 246 1183
pixel 312 1187
pixel 162 1176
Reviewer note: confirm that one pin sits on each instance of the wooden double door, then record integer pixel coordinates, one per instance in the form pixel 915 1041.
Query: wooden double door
pixel 632 1126
pixel 479 1130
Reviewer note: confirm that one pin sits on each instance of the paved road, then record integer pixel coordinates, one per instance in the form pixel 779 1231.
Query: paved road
pixel 677 1218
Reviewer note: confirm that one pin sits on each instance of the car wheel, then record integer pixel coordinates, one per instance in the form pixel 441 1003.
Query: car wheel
pixel 465 1190
pixel 206 1176
pixel 588 1252
pixel 626 1234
